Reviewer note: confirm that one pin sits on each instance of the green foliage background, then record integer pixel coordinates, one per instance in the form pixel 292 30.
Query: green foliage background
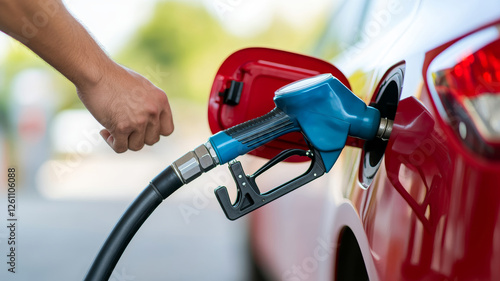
pixel 179 49
pixel 185 43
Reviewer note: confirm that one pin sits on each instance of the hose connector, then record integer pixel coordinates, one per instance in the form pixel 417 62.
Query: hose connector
pixel 195 163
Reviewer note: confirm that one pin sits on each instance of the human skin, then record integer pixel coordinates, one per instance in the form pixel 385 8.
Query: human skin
pixel 133 111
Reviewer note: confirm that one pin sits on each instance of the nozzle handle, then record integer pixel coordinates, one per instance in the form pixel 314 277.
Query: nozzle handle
pixel 249 196
pixel 247 136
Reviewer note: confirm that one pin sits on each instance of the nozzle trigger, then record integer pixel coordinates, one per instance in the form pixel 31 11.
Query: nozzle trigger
pixel 250 198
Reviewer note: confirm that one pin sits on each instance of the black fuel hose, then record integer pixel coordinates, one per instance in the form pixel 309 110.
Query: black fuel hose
pixel 166 183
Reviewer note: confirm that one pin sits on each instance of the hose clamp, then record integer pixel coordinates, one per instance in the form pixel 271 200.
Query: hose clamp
pixel 194 163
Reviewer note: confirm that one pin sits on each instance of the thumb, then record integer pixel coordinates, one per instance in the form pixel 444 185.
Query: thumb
pixel 106 135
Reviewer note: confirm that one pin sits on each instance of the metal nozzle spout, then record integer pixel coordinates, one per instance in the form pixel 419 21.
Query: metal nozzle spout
pixel 385 128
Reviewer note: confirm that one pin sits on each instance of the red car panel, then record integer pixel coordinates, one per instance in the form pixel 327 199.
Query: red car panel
pixel 425 205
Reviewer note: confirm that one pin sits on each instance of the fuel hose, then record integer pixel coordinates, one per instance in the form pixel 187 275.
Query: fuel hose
pixel 182 171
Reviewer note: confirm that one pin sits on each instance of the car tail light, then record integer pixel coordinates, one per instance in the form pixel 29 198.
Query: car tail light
pixel 466 79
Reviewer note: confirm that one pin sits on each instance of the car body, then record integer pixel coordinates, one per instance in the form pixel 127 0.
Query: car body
pixel 425 204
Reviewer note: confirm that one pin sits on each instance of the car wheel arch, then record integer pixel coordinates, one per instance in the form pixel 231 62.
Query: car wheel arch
pixel 346 217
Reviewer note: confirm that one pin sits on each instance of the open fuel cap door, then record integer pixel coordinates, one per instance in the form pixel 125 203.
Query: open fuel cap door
pixel 244 87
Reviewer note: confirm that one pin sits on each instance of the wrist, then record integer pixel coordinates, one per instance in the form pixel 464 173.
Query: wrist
pixel 92 71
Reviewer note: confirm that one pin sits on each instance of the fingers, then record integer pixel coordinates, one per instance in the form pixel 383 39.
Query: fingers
pixel 118 143
pixel 143 133
pixel 166 122
pixel 136 140
pixel 148 135
pixel 126 137
pixel 159 124
pixel 105 134
pixel 122 142
pixel 152 132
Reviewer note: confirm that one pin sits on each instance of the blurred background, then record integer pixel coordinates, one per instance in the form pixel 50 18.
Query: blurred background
pixel 72 188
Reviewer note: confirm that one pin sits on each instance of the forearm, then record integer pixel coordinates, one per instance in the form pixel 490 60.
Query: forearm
pixel 47 28
pixel 133 110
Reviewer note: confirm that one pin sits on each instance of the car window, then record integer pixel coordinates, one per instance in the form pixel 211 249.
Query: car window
pixel 342 28
pixel 358 22
pixel 383 15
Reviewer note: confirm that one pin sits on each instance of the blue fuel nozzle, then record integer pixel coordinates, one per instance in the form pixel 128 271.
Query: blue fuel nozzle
pixel 322 109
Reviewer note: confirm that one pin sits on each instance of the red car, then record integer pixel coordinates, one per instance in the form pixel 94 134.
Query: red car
pixel 422 205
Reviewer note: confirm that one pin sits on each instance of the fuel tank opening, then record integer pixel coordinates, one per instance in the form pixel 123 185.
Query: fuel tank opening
pixel 386 101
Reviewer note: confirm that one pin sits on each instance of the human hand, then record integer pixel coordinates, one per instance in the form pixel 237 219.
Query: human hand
pixel 133 110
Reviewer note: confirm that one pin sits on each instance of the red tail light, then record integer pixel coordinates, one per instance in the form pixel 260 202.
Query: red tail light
pixel 466 78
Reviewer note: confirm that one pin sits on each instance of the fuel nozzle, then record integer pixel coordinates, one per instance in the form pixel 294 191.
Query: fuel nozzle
pixel 323 109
